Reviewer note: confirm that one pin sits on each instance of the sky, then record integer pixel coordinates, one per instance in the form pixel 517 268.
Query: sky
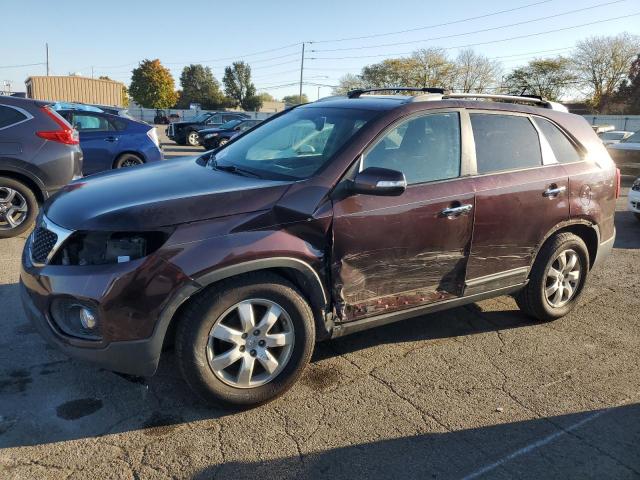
pixel 111 37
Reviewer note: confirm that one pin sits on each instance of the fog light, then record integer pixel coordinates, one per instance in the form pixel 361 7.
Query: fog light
pixel 87 318
pixel 75 318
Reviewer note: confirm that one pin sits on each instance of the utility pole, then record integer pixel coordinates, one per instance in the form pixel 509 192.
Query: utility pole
pixel 92 72
pixel 301 73
pixel 46 46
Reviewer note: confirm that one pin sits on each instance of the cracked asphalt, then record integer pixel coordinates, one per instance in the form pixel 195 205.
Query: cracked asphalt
pixel 475 392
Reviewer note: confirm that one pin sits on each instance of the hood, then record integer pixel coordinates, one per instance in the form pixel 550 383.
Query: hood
pixel 210 130
pixel 158 195
pixel 625 146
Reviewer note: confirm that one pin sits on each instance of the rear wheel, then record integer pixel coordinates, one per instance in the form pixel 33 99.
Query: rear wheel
pixel 192 138
pixel 247 342
pixel 18 207
pixel 557 278
pixel 223 141
pixel 128 160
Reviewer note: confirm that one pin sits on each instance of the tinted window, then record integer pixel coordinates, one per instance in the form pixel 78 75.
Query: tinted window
pixel 9 116
pixel 505 142
pixel 84 122
pixel 294 145
pixel 425 148
pixel 563 149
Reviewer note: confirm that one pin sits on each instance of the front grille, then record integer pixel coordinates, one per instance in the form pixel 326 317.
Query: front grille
pixel 42 243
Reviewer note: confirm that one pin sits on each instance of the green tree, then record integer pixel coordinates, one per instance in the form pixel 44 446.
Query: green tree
pixel 629 92
pixel 549 78
pixel 200 86
pixel 152 85
pixel 295 99
pixel 239 87
pixel 266 97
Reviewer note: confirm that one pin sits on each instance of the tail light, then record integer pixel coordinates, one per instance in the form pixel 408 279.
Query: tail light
pixel 617 183
pixel 67 134
pixel 153 135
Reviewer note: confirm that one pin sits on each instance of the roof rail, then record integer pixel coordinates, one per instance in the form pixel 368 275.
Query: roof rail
pixel 532 99
pixel 359 91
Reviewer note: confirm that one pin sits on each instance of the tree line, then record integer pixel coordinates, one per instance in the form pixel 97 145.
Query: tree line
pixel 604 71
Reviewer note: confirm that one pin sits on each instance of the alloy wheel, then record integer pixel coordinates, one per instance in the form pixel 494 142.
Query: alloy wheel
pixel 193 138
pixel 562 278
pixel 14 208
pixel 250 343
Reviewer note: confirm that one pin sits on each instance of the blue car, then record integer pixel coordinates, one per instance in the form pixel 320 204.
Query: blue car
pixel 111 141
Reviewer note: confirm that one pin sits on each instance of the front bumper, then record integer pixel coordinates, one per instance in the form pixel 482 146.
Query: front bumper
pixel 135 303
pixel 634 201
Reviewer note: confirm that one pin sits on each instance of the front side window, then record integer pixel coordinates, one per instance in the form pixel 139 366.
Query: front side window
pixel 425 149
pixel 505 142
pixel 91 123
pixel 635 138
pixel 10 116
pixel 215 119
pixel 294 145
pixel 563 149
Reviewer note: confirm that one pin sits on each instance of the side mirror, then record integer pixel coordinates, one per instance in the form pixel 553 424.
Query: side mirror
pixel 379 181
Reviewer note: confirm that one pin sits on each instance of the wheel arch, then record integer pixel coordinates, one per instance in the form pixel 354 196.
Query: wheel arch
pixel 587 231
pixel 30 182
pixel 298 272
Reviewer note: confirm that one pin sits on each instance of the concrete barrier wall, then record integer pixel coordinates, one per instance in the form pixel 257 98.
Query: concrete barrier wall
pixel 630 123
pixel 148 114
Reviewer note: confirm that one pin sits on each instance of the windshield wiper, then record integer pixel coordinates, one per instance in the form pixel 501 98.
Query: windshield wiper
pixel 234 169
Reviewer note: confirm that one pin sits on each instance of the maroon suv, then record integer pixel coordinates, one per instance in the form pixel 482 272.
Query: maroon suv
pixel 327 219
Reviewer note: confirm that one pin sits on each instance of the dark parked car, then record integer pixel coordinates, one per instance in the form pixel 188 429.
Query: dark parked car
pixel 186 132
pixel 215 137
pixel 111 141
pixel 626 154
pixel 39 154
pixel 327 219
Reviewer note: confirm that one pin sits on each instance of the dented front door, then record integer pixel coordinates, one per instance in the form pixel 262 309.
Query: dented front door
pixel 392 253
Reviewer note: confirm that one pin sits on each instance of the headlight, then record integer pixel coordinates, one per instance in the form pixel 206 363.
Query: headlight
pixel 100 248
pixel 210 135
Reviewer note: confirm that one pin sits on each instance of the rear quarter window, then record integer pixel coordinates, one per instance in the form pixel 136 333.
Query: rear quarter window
pixel 563 149
pixel 10 116
pixel 505 142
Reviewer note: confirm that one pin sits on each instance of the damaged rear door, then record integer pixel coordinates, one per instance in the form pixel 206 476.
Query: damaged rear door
pixel 392 253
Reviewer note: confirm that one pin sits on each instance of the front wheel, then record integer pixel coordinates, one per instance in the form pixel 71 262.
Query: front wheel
pixel 247 341
pixel 192 138
pixel 557 278
pixel 18 207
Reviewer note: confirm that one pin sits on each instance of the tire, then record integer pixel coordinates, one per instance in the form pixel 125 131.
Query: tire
pixel 128 160
pixel 192 138
pixel 539 299
pixel 220 305
pixel 18 205
pixel 181 142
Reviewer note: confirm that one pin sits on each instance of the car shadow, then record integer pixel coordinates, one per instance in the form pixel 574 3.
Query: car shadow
pixel 579 445
pixel 47 397
pixel 627 230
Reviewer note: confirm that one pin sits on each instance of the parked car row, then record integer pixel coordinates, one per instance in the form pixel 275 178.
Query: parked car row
pixel 211 138
pixel 186 132
pixel 45 146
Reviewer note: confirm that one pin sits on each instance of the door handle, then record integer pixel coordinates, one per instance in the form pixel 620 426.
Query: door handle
pixel 553 191
pixel 456 211
pixel 111 139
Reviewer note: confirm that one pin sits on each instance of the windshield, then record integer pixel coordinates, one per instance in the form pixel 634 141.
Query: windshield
pixel 295 145
pixel 201 118
pixel 635 138
pixel 612 136
pixel 229 124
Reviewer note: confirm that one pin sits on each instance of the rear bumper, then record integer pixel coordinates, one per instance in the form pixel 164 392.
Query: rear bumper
pixel 604 250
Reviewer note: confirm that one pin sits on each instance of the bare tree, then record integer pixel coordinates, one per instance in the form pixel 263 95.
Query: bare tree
pixel 601 63
pixel 475 72
pixel 431 67
pixel 347 83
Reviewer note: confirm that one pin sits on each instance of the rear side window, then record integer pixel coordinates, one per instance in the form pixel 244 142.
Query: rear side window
pixel 91 123
pixel 563 149
pixel 505 142
pixel 425 148
pixel 9 116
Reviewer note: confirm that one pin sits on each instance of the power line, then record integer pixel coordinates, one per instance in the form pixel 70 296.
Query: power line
pixel 434 25
pixel 24 65
pixel 487 42
pixel 547 17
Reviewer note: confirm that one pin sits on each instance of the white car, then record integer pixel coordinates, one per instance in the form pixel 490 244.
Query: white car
pixel 634 198
pixel 615 136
